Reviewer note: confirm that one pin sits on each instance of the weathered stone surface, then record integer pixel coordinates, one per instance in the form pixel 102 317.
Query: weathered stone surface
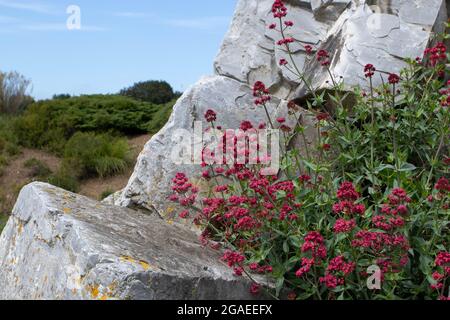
pixel 58 245
pixel 355 33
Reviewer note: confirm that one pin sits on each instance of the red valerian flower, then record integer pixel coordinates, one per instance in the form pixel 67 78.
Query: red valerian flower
pixel 323 57
pixel 210 116
pixel 442 259
pixel 436 54
pixel 322 116
pixel 308 49
pixel 272 26
pixel 393 78
pixel 442 185
pixel 246 125
pixel 369 70
pixel 289 23
pixel 347 192
pixel 181 183
pixel 281 120
pixel 184 214
pixel 255 289
pixel 283 62
pixel 279 10
pixel 307 263
pixel 344 226
pixel 314 243
pixel 261 93
pixel 233 258
pixel 285 41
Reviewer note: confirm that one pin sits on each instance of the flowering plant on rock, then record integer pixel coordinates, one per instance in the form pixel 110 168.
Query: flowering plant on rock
pixel 361 212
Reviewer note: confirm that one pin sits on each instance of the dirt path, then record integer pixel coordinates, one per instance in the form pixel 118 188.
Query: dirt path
pixel 16 175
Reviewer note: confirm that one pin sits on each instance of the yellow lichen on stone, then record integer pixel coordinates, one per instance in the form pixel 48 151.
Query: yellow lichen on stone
pixel 67 210
pixel 145 265
pixel 20 228
pixel 93 290
pixel 128 259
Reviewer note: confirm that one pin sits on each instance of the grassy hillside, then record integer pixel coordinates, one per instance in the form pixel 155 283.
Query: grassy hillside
pixel 87 135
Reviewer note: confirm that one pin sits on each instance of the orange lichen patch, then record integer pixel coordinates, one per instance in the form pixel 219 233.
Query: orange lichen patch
pixel 103 297
pixel 67 210
pixel 144 265
pixel 93 290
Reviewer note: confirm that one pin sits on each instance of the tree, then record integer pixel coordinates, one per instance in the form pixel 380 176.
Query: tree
pixel 157 92
pixel 14 92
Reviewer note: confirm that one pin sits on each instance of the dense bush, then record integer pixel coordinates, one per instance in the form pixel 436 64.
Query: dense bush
pixel 97 154
pixel 51 123
pixel 157 92
pixel 369 200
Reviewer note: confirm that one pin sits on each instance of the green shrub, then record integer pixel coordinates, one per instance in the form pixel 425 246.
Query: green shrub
pixel 38 168
pixel 97 154
pixel 49 124
pixel 65 178
pixel 158 92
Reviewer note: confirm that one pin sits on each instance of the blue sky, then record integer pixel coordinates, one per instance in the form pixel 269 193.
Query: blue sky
pixel 120 42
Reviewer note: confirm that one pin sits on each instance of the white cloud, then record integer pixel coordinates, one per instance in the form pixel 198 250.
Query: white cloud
pixel 28 6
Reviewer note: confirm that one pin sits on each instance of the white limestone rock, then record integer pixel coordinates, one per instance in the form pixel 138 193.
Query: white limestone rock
pixel 58 245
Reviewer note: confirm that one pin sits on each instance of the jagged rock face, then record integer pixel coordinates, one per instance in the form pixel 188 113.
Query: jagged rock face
pixel 355 32
pixel 58 245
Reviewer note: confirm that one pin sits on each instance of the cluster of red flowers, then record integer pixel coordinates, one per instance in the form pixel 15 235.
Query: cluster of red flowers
pixel 315 247
pixel 261 93
pixel 185 193
pixel 348 197
pixel 347 205
pixel 279 10
pixel 283 62
pixel 323 57
pixel 369 70
pixel 391 247
pixel 443 185
pixel 437 53
pixel 393 211
pixel 285 41
pixel 393 78
pixel 336 272
pixel 445 101
pixel 210 116
pixel 308 49
pixel 442 262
